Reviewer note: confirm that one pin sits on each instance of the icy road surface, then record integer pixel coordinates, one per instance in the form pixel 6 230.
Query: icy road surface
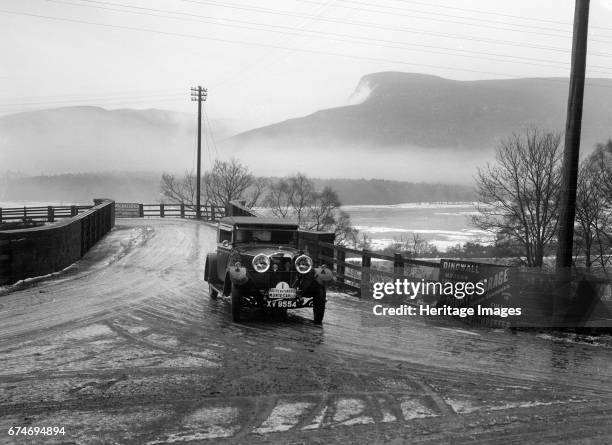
pixel 126 347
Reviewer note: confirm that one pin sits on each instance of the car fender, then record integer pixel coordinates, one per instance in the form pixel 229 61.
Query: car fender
pixel 210 268
pixel 323 275
pixel 227 285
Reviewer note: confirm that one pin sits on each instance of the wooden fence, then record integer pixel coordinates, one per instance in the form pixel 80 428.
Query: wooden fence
pixel 42 213
pixel 138 210
pixel 209 213
pixel 32 252
pixel 589 301
pixel 356 270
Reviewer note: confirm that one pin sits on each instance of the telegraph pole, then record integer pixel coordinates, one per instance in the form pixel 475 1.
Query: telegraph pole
pixel 573 125
pixel 199 94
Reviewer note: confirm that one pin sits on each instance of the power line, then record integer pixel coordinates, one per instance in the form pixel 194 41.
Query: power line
pixel 387 28
pixel 389 10
pixel 123 93
pixel 334 36
pixel 87 101
pixel 97 98
pixel 327 19
pixel 243 70
pixel 208 150
pixel 249 43
pixel 479 11
pixel 264 45
pixel 212 137
pixel 566 32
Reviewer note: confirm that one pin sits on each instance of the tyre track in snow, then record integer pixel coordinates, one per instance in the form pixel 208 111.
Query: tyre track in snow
pixel 128 348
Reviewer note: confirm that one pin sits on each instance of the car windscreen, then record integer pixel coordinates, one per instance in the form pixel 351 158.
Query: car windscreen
pixel 267 236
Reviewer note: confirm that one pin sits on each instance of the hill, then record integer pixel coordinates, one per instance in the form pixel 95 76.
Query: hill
pixel 422 127
pixel 403 109
pixel 74 139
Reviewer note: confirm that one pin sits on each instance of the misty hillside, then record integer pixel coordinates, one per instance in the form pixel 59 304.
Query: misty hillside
pixel 414 127
pixel 403 110
pixel 407 127
pixel 144 187
pixel 73 139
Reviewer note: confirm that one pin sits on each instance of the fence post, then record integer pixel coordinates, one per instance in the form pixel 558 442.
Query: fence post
pixel 50 214
pixel 340 268
pixel 25 213
pixel 73 211
pixel 398 265
pixel 364 283
pixel 182 210
pixel 0 214
pixel 161 210
pixel 141 210
pixel 212 212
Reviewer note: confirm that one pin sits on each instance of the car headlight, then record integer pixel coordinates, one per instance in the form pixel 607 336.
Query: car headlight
pixel 261 262
pixel 303 264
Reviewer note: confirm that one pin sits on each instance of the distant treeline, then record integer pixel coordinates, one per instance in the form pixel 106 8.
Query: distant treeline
pixel 382 191
pixel 145 187
pixel 83 187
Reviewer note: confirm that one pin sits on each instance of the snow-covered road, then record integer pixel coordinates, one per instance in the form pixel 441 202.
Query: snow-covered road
pixel 126 347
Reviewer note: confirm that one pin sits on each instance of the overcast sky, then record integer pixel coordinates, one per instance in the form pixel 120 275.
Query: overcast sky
pixel 268 60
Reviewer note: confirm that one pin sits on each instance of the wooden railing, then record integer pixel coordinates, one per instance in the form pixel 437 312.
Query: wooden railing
pixel 356 270
pixel 209 213
pixel 138 210
pixel 40 213
pixel 123 210
pixel 36 251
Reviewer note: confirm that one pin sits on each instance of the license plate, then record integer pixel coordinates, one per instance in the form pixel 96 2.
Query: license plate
pixel 281 303
pixel 282 293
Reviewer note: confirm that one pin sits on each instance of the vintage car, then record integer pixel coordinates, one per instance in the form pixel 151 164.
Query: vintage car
pixel 258 263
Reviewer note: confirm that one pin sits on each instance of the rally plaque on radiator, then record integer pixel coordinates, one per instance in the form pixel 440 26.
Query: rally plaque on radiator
pixel 282 291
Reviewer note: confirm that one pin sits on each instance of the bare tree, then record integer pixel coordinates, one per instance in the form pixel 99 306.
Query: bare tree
pixel 278 198
pixel 413 245
pixel 591 209
pixel 603 157
pixel 519 193
pixel 365 242
pixel 227 181
pixel 257 191
pixel 301 195
pixel 594 208
pixel 296 197
pixel 346 234
pixel 180 191
pixel 321 214
pixel 419 245
pixel 291 197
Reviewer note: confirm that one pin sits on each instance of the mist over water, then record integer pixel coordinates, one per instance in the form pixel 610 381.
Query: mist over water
pixel 412 164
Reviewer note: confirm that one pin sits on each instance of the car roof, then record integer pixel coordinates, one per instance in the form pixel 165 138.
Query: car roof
pixel 254 221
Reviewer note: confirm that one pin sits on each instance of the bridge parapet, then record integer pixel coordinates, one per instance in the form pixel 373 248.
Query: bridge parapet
pixel 36 251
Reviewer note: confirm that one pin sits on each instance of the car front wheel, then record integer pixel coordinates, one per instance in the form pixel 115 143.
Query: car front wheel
pixel 236 302
pixel 318 305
